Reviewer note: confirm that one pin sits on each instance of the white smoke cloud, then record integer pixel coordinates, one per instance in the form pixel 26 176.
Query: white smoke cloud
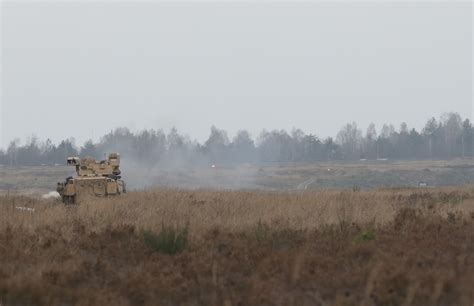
pixel 50 195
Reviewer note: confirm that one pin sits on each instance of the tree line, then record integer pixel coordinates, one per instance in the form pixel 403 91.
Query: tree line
pixel 447 137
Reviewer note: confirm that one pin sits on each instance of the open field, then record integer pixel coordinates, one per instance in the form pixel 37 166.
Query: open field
pixel 365 175
pixel 385 247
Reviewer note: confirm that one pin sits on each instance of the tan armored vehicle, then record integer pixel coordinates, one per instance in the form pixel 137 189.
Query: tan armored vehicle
pixel 94 179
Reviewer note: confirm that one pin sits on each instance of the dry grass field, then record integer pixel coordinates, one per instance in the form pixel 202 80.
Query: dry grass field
pixel 365 175
pixel 176 247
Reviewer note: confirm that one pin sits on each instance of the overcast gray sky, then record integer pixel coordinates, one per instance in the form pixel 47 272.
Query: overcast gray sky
pixel 81 68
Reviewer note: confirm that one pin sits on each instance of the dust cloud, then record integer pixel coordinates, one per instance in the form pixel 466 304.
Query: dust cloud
pixel 176 173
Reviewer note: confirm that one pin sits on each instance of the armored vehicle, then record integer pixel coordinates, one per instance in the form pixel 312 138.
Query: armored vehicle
pixel 94 179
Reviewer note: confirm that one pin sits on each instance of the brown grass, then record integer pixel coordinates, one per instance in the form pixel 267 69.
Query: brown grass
pixel 386 247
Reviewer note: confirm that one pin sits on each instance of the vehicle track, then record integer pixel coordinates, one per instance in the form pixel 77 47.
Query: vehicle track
pixel 304 185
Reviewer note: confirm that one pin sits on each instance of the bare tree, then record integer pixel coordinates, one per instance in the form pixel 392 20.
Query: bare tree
pixel 350 138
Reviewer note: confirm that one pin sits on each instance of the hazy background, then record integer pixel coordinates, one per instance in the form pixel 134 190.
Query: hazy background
pixel 81 69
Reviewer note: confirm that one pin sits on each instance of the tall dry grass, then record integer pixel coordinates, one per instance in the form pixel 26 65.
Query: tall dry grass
pixel 235 210
pixel 386 247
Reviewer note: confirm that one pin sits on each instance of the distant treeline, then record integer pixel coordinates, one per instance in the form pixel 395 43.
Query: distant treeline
pixel 448 137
